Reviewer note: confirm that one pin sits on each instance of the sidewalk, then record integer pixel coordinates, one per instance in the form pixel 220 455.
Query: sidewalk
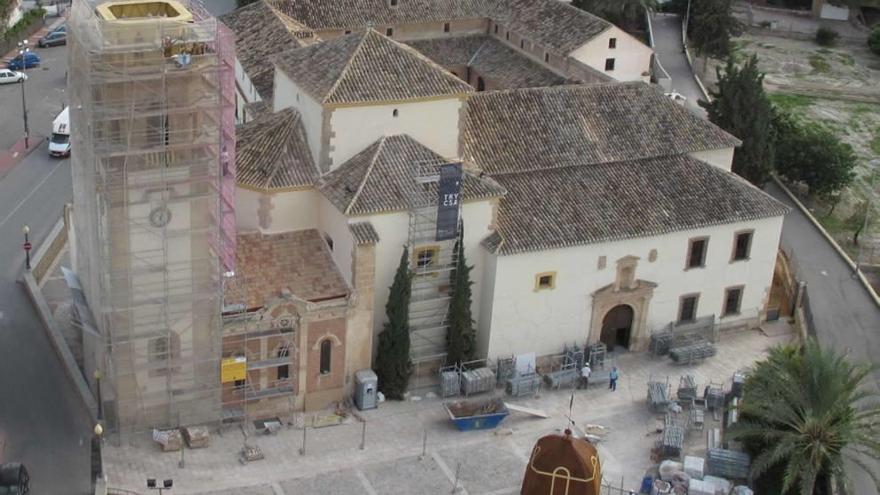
pixel 487 462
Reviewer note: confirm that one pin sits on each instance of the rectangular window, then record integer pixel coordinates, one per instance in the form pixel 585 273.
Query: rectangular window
pixel 507 35
pixel 546 57
pixel 394 3
pixel 426 257
pixel 687 307
pixel 496 28
pixel 389 32
pixel 239 384
pixel 545 280
pixel 697 253
pixel 522 44
pixel 742 245
pixel 609 64
pixel 446 27
pixel 732 300
pixel 612 43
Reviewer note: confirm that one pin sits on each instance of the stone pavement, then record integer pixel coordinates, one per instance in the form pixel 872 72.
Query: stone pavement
pixel 486 462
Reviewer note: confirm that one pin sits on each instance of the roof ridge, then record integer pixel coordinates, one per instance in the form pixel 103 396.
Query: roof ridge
pixel 286 127
pixel 366 176
pixel 348 62
pixel 470 61
pixel 425 59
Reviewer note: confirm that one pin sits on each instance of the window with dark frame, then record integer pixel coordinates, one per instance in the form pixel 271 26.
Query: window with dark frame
pixel 446 27
pixel 609 64
pixel 326 350
pixel 389 32
pixel 742 245
pixel 697 253
pixel 687 310
pixel 545 282
pixel 425 257
pixel 546 57
pixel 732 300
pixel 393 3
pixel 612 43
pixel 522 44
pixel 283 370
pixel 239 384
pixel 507 35
pixel 496 28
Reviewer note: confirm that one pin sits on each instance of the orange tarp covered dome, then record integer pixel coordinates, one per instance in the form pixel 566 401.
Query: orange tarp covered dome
pixel 562 465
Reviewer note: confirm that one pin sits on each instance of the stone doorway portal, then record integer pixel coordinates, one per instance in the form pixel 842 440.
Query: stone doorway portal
pixel 617 326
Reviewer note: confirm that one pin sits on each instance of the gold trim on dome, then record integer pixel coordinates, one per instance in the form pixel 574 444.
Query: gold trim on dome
pixel 567 474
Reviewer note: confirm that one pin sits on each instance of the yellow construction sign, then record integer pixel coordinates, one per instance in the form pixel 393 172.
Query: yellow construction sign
pixel 233 369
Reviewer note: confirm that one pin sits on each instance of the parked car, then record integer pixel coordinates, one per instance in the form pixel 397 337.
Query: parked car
pixel 28 60
pixel 53 39
pixel 677 97
pixel 10 76
pixel 60 29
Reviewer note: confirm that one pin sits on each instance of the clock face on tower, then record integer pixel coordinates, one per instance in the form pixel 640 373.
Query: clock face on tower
pixel 160 216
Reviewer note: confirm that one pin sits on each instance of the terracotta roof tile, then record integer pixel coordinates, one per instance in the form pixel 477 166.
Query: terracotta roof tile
pixel 493 60
pixel 606 202
pixel 367 66
pixel 550 23
pixel 298 261
pixel 272 152
pixel 364 233
pixel 380 178
pixel 542 128
pixel 262 30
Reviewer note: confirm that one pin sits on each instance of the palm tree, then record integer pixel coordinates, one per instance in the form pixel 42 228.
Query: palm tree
pixel 807 410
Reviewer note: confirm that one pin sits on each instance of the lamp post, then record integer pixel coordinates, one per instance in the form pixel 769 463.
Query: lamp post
pixel 27 247
pixel 96 448
pixel 23 50
pixel 97 376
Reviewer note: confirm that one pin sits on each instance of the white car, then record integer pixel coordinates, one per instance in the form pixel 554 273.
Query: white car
pixel 677 97
pixel 11 76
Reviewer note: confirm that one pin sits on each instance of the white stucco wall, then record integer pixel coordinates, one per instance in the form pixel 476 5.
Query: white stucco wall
pixel 245 92
pixel 288 94
pixel 332 223
pixel 287 211
pixel 721 158
pixel 393 229
pixel 434 123
pixel 525 320
pixel 632 58
pixel 834 12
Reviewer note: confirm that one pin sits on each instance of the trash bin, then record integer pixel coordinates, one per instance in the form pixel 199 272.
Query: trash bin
pixel 365 385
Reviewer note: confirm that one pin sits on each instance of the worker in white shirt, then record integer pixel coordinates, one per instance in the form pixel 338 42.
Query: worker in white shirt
pixel 585 375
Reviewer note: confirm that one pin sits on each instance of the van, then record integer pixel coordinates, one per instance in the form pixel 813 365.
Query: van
pixel 59 143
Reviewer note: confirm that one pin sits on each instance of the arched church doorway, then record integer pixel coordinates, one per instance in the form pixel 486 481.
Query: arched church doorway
pixel 617 326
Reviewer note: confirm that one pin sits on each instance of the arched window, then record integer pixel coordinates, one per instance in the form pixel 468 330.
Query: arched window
pixel 326 350
pixel 284 370
pixel 394 113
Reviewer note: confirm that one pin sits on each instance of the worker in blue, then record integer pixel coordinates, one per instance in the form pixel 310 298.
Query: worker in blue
pixel 613 376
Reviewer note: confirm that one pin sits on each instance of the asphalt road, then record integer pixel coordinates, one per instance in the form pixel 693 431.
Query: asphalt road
pixel 670 52
pixel 45 95
pixel 844 315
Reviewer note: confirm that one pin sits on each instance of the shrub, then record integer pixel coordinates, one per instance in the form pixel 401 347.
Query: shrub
pixel 874 40
pixel 826 36
pixel 765 24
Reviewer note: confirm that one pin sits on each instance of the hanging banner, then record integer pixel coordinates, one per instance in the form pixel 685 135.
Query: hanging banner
pixel 449 191
pixel 233 369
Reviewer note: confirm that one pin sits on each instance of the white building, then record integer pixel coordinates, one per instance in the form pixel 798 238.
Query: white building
pixel 590 212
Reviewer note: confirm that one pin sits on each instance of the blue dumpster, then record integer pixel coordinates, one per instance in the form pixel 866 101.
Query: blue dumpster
pixel 476 414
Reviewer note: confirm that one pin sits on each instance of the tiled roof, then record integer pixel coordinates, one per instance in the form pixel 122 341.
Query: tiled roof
pixel 490 58
pixel 550 23
pixel 297 261
pixel 338 14
pixel 260 31
pixel 599 203
pixel 542 128
pixel 272 152
pixel 363 233
pixel 380 178
pixel 367 66
pixel 256 108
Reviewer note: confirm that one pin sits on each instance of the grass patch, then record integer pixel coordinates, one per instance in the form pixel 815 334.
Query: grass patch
pixel 875 143
pixel 846 59
pixel 862 109
pixel 819 64
pixel 826 51
pixel 788 101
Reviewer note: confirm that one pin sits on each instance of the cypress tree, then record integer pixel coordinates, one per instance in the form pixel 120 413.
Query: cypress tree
pixel 461 335
pixel 393 365
pixel 741 108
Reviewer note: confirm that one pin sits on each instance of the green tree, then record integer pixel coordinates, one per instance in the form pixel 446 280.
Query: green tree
pixel 874 40
pixel 805 410
pixel 711 28
pixel 393 365
pixel 626 13
pixel 810 153
pixel 856 221
pixel 741 107
pixel 461 336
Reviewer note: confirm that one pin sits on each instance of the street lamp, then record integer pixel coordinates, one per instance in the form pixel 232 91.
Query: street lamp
pixel 97 375
pixel 23 50
pixel 27 246
pixel 166 485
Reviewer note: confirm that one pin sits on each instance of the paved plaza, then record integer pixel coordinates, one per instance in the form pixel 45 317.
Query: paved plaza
pixel 484 462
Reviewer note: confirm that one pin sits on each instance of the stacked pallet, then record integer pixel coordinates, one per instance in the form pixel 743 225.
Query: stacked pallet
pixel 693 352
pixel 525 384
pixel 477 380
pixel 658 397
pixel 687 388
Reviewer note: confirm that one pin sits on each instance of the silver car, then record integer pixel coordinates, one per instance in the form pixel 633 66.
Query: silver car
pixel 10 76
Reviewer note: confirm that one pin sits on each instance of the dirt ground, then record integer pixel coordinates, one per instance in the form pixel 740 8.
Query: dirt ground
pixel 839 88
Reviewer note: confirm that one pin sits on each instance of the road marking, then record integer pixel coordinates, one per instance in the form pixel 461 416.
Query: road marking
pixel 23 201
pixel 368 487
pixel 459 488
